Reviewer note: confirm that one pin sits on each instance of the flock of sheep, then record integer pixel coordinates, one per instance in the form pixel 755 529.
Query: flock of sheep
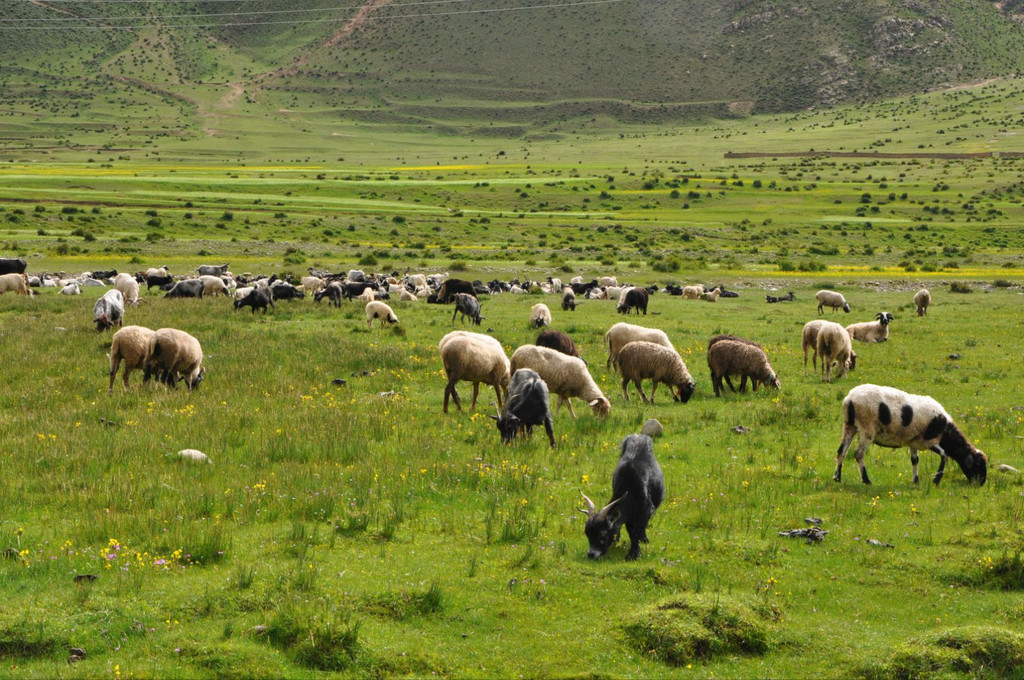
pixel 524 382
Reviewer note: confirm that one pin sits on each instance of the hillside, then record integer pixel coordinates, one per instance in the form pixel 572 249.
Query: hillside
pixel 494 67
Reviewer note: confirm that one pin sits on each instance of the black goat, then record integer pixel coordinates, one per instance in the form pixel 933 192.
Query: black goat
pixel 446 293
pixel 191 288
pixel 635 298
pixel 258 298
pixel 527 404
pixel 788 297
pixel 638 487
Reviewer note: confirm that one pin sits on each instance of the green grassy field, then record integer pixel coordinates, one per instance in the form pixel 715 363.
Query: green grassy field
pixel 342 530
pixel 339 530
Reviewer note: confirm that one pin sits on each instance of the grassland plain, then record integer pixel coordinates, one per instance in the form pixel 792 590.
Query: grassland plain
pixel 339 530
pixel 342 530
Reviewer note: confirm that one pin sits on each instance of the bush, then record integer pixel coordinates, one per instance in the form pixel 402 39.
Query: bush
pixel 973 650
pixel 368 260
pixel 960 287
pixel 458 266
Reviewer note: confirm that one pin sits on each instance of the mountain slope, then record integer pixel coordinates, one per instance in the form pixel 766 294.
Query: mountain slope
pixel 512 62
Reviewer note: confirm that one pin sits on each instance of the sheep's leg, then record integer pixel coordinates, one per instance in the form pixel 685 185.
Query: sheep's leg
pixel 449 391
pixel 497 391
pixel 942 463
pixel 625 390
pixel 716 382
pixel 454 314
pixel 913 463
pixel 115 363
pixel 568 403
pixel 859 456
pixel 743 383
pixel 844 446
pixel 476 392
pixel 640 389
pixel 654 386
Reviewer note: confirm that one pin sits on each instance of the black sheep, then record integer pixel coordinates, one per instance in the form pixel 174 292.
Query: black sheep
pixel 638 487
pixel 258 298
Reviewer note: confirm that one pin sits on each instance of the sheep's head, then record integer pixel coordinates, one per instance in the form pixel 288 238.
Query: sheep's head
pixel 846 307
pixel 853 360
pixel 975 466
pixel 194 383
pixel 601 407
pixel 884 318
pixel 685 391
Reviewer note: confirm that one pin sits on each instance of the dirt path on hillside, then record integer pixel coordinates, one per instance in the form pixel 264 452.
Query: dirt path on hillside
pixel 359 19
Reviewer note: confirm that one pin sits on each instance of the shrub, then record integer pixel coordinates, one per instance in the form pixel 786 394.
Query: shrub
pixel 959 287
pixel 973 650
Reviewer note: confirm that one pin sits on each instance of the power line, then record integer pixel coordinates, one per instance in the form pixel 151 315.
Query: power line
pixel 493 10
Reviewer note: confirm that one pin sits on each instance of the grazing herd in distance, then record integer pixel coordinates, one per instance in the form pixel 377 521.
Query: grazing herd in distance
pixel 524 382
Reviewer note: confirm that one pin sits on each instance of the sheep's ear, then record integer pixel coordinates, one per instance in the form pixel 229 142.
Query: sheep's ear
pixel 494 418
pixel 594 402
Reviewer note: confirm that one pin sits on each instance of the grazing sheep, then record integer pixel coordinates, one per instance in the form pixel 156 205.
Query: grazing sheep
pixel 871 331
pixel 128 286
pixel 540 315
pixel 638 487
pixel 565 376
pixel 109 310
pixel 605 281
pixel 640 360
pixel 405 295
pixel 17 284
pixel 922 299
pixel 172 352
pixel 213 285
pixel 830 298
pixel 621 333
pixel 633 298
pixel 712 295
pixel 835 350
pixel 809 340
pixel 727 336
pixel 568 299
pixel 528 404
pixel 474 357
pixel 469 306
pixel 693 292
pixel 892 418
pixel 217 270
pixel 130 345
pixel 379 310
pixel 558 341
pixel 731 357
pixel 368 295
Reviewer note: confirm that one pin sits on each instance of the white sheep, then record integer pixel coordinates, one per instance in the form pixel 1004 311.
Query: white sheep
pixel 242 293
pixel 605 281
pixel 640 360
pixel 172 352
pixel 379 310
pixel 565 376
pixel 71 289
pixel 540 315
pixel 621 333
pixel 130 345
pixel 871 331
pixel 213 285
pixel 313 284
pixel 830 298
pixel 693 292
pixel 835 350
pixel 922 299
pixel 417 280
pixel 406 296
pixel 128 286
pixel 893 418
pixel 712 295
pixel 476 358
pixel 14 283
pixel 368 295
pixel 809 340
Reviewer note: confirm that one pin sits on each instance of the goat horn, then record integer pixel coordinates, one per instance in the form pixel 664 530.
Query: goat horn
pixel 590 505
pixel 604 511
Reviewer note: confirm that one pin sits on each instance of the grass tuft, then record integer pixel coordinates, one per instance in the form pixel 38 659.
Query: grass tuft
pixel 699 627
pixel 981 651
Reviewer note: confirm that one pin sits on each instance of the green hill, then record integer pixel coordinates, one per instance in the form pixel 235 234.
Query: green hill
pixel 497 67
